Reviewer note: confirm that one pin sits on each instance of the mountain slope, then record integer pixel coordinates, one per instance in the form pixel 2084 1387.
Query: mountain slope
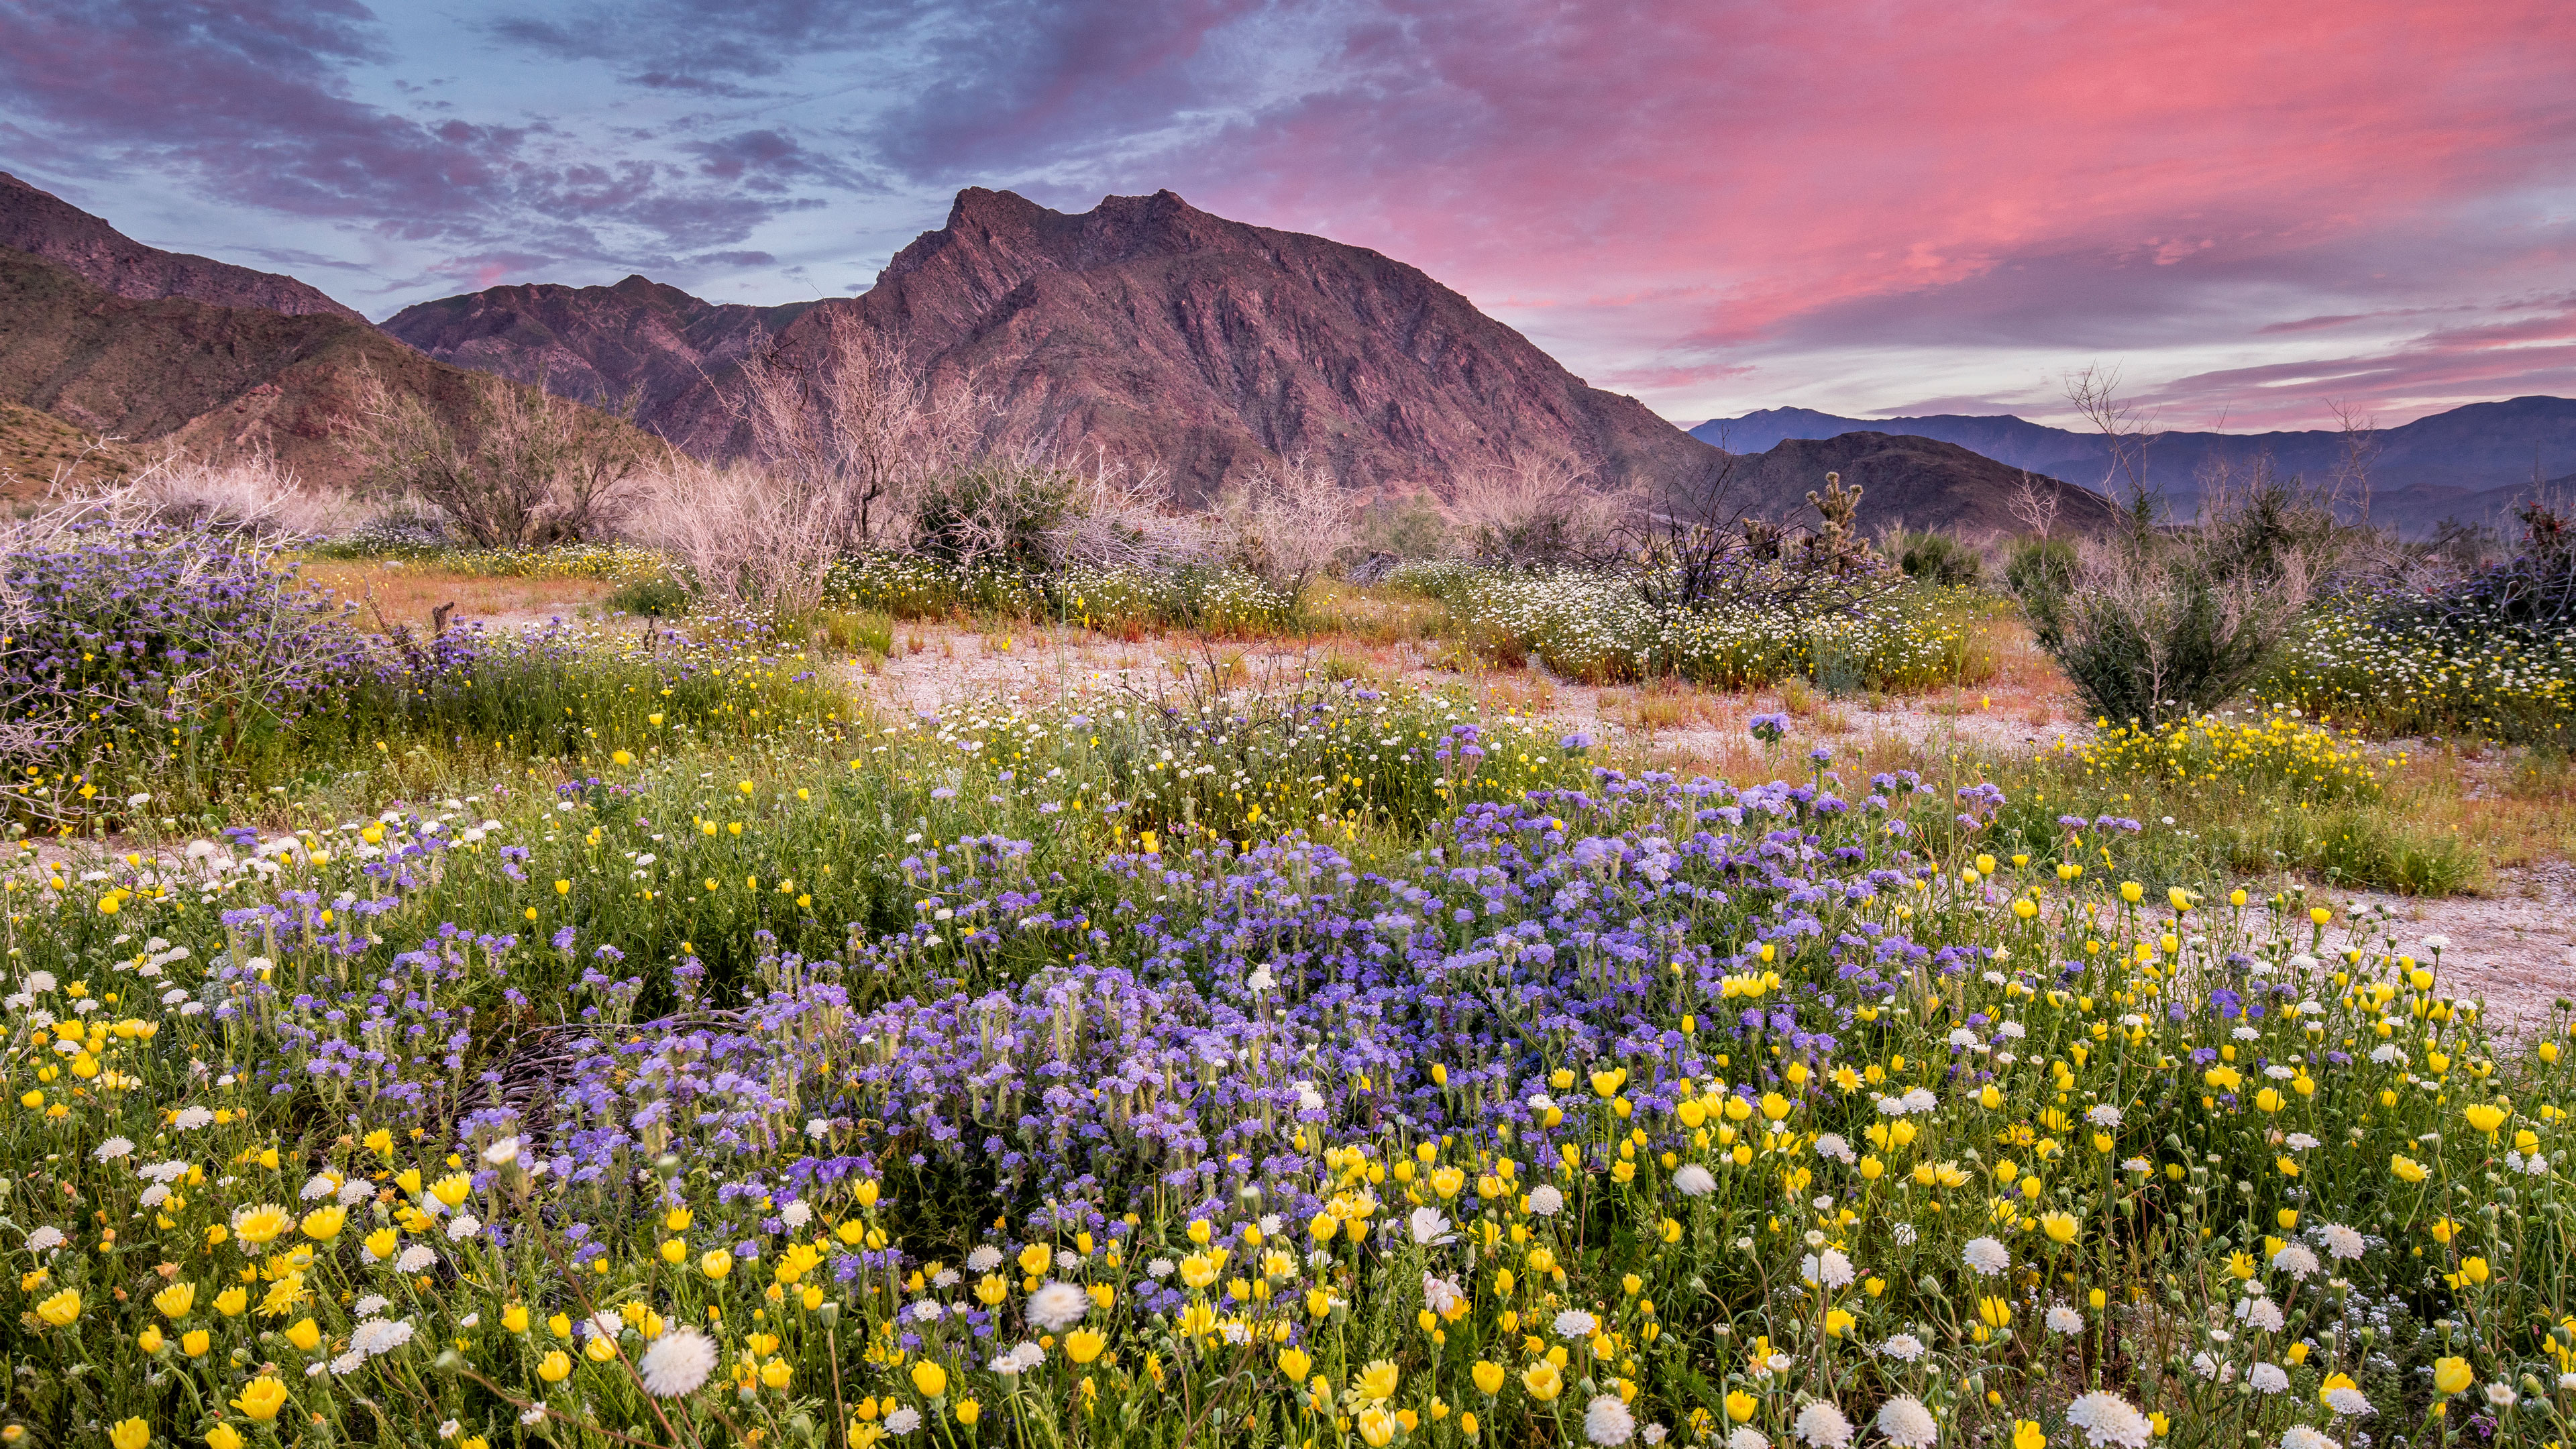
pixel 1164 336
pixel 595 344
pixel 211 379
pixel 42 224
pixel 1918 482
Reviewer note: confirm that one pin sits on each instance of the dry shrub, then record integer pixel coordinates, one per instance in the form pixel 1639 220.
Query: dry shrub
pixel 525 469
pixel 1539 511
pixel 1288 524
pixel 749 538
pixel 842 416
pixel 249 493
pixel 1121 518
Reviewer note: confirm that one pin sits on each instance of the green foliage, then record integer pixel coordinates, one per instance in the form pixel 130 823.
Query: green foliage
pixel 995 516
pixel 1933 557
pixel 2167 623
pixel 656 596
pixel 2041 568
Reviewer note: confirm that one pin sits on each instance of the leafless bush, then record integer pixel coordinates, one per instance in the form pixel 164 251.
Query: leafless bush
pixel 249 493
pixel 845 420
pixel 1118 517
pixel 1288 524
pixel 1538 512
pixel 747 537
pixel 525 470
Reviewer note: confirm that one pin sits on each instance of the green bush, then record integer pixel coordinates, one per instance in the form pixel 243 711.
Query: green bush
pixel 657 596
pixel 1932 557
pixel 2040 566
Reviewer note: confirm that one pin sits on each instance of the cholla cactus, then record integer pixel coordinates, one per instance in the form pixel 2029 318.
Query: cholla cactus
pixel 1837 547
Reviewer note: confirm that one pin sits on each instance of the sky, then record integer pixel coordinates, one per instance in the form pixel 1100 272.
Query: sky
pixel 1868 207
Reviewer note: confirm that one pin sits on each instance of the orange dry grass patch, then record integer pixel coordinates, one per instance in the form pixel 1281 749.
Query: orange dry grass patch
pixel 409 594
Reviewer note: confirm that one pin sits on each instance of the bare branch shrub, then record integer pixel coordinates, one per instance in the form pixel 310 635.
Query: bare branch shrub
pixel 527 469
pixel 748 538
pixel 2127 433
pixel 2034 507
pixel 1288 524
pixel 1538 512
pixel 1121 518
pixel 249 493
pixel 845 418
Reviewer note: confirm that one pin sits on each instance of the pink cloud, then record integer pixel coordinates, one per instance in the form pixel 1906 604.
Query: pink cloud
pixel 1763 178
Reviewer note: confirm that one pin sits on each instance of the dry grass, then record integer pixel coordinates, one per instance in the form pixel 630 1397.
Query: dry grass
pixel 2515 807
pixel 409 593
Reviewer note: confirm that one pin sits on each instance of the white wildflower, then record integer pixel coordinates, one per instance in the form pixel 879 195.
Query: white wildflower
pixel 1606 1420
pixel 2268 1378
pixel 2062 1319
pixel 1907 1424
pixel 1903 1347
pixel 1987 1256
pixel 113 1148
pixel 1831 1268
pixel 1430 1228
pixel 903 1421
pixel 1575 1323
pixel 1057 1306
pixel 415 1259
pixel 1546 1201
pixel 2107 1419
pixel 675 1364
pixel 2342 1242
pixel 1822 1425
pixel 1694 1180
pixel 984 1259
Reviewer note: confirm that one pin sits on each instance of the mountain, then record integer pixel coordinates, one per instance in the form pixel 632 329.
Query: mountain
pixel 42 224
pixel 2467 463
pixel 1144 328
pixel 207 378
pixel 599 345
pixel 1921 483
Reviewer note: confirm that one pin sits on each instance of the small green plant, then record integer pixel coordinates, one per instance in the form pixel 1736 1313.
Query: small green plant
pixel 1933 557
pixel 654 596
pixel 864 631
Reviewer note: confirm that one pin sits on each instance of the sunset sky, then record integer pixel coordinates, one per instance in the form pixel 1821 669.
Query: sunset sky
pixel 1868 208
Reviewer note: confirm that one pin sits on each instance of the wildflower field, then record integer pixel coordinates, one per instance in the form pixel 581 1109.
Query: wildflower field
pixel 590 1038
pixel 1598 627
pixel 1323 1068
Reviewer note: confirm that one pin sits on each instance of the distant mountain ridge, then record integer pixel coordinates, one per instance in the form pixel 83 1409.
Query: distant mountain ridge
pixel 44 225
pixel 1922 483
pixel 598 345
pixel 2468 463
pixel 207 378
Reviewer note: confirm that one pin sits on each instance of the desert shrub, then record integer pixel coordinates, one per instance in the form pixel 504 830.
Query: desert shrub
pixel 250 492
pixel 1537 512
pixel 1406 528
pixel 2041 567
pixel 1287 525
pixel 522 469
pixel 2167 622
pixel 999 514
pixel 655 595
pixel 1933 557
